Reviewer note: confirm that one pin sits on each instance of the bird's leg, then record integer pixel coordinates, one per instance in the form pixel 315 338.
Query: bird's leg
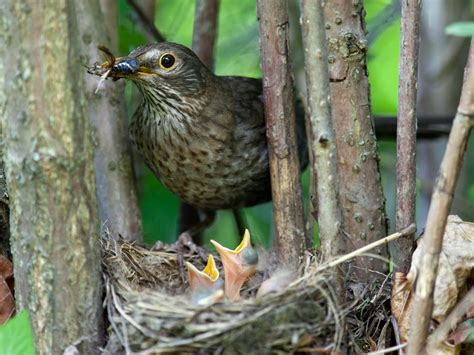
pixel 188 217
pixel 239 220
pixel 185 240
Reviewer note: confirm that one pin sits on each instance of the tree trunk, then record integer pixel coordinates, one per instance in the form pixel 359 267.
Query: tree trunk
pixel 281 130
pixel 50 175
pixel 116 191
pixel 361 196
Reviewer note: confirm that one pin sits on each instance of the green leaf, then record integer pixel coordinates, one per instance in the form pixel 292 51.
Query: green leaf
pixel 16 337
pixel 461 29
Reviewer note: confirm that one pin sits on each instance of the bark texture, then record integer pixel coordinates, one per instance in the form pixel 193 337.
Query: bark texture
pixel 116 191
pixel 406 131
pixel 4 209
pixel 361 196
pixel 441 202
pixel 50 175
pixel 281 130
pixel 322 141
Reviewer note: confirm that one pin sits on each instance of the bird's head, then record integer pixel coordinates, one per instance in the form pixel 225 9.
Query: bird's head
pixel 167 68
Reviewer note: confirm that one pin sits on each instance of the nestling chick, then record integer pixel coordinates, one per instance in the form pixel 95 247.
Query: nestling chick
pixel 239 264
pixel 205 285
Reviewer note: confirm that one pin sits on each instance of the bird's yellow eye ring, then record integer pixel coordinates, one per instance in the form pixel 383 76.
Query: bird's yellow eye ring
pixel 167 61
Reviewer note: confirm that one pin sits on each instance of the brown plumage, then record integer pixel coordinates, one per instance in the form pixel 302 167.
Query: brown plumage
pixel 203 135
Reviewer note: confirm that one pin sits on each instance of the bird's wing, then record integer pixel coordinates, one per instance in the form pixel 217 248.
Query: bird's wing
pixel 248 100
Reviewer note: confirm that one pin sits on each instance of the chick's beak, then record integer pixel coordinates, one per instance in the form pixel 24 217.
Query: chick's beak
pixel 239 265
pixel 205 279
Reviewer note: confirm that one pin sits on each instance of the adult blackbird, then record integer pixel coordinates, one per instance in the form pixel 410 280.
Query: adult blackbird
pixel 202 135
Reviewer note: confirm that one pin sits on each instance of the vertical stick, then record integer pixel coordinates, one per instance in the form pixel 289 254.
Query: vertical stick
pixel 204 33
pixel 323 143
pixel 115 182
pixel 406 131
pixel 441 201
pixel 360 188
pixel 281 130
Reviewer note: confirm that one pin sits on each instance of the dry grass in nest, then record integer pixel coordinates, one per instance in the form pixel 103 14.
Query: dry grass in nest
pixel 149 310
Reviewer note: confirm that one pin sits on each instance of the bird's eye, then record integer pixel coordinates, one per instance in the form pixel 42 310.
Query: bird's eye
pixel 167 61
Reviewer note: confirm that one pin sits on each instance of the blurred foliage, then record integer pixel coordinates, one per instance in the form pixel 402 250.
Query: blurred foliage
pixel 16 337
pixel 462 29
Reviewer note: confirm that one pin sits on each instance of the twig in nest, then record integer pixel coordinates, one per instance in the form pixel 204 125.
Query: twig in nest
pixel 388 350
pixel 406 231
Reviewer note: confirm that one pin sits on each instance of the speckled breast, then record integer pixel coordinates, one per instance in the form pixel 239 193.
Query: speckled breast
pixel 206 166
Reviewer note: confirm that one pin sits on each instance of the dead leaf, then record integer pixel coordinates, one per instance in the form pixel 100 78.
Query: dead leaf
pixel 7 301
pixel 401 304
pixel 456 263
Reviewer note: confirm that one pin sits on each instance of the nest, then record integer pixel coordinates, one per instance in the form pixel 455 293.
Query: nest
pixel 149 310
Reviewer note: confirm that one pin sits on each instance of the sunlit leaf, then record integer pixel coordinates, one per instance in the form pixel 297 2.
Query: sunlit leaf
pixel 16 337
pixel 461 29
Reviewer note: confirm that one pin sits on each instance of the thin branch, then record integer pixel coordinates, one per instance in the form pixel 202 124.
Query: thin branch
pixel 406 131
pixel 428 127
pixel 281 130
pixel 405 231
pixel 388 350
pixel 322 142
pixel 115 183
pixel 438 213
pixel 449 324
pixel 204 33
pixel 145 20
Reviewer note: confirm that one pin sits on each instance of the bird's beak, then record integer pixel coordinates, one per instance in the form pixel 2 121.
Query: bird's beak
pixel 205 279
pixel 239 265
pixel 125 67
